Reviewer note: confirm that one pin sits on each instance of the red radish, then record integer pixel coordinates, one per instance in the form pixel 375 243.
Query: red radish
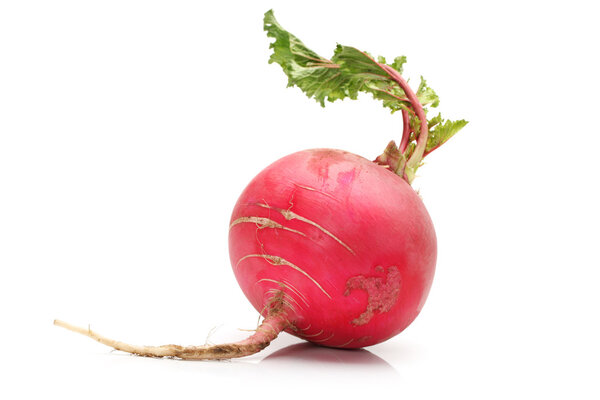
pixel 327 245
pixel 347 244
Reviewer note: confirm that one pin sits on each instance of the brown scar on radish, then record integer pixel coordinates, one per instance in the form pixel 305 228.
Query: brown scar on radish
pixel 263 223
pixel 346 344
pixel 298 292
pixel 286 298
pixel 276 260
pixel 316 190
pixel 314 334
pixel 382 293
pixel 288 286
pixel 322 340
pixel 289 215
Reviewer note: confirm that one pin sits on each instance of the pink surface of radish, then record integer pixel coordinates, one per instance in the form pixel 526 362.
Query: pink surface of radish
pixel 327 245
pixel 347 243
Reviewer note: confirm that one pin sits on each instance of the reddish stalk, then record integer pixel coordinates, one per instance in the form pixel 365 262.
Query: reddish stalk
pixel 408 170
pixel 430 151
pixel 405 131
pixel 417 155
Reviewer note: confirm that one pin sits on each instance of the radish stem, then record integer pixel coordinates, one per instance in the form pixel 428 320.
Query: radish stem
pixel 415 159
pixel 405 131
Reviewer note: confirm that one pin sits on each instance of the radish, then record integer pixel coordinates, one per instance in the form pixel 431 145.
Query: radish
pixel 327 245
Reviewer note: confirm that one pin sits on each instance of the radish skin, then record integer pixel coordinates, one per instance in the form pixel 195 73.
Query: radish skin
pixel 364 264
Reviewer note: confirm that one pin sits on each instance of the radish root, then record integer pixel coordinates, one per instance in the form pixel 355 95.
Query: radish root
pixel 265 333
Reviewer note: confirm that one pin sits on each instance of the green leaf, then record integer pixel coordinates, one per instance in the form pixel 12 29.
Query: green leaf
pixel 434 121
pixel 358 64
pixel 364 74
pixel 426 95
pixel 351 71
pixel 398 64
pixel 318 77
pixel 442 132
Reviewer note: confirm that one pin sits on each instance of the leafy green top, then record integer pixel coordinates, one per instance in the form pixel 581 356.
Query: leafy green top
pixel 351 71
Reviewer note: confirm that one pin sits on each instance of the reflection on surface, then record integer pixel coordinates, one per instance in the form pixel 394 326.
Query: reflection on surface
pixel 299 370
pixel 308 352
pixel 333 369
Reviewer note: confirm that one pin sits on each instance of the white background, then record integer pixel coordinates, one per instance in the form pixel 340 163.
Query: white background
pixel 128 129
